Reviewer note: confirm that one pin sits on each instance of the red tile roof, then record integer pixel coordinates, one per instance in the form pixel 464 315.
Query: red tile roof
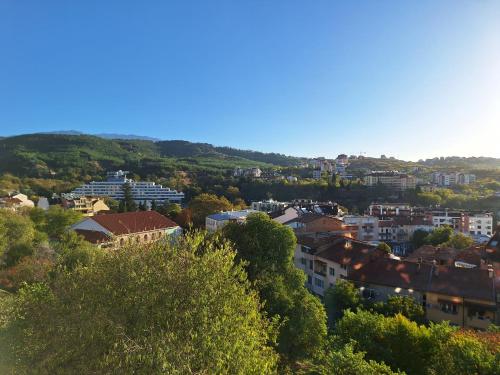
pixel 133 222
pixel 346 251
pixel 93 236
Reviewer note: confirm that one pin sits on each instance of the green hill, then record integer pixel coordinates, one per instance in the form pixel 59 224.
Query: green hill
pixel 63 155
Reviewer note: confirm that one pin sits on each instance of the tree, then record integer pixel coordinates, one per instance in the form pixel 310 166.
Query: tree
pixel 440 235
pixel 459 241
pixel 137 311
pixel 266 248
pixel 404 305
pixel 143 206
pixel 384 247
pixel 345 361
pixel 129 204
pixel 419 238
pixel 206 204
pixel 154 205
pixel 17 237
pixel 58 220
pixel 342 296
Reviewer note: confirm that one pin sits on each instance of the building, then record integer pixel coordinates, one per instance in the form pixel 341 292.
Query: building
pixel 16 202
pixel 217 221
pixel 465 297
pixel 455 178
pixel 312 222
pixel 87 206
pixel 317 173
pixel 471 223
pixel 392 179
pixel 255 172
pixel 116 230
pixel 327 258
pixel 366 227
pixel 268 206
pixel 141 190
pixel 389 209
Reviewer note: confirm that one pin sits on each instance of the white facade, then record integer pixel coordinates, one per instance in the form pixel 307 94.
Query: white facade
pixel 217 221
pixel 141 190
pixel 367 226
pixel 481 224
pixel 268 206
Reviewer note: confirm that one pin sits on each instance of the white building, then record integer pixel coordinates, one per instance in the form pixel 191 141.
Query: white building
pixel 217 221
pixel 392 179
pixel 480 224
pixel 367 226
pixel 454 178
pixel 141 190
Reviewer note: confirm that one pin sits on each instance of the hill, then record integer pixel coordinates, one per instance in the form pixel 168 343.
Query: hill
pixel 69 156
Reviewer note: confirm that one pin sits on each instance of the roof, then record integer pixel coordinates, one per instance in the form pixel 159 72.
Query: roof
pixel 93 236
pixel 428 253
pixel 473 283
pixel 493 247
pixel 133 222
pixel 463 282
pixel 231 215
pixel 343 250
pixel 392 272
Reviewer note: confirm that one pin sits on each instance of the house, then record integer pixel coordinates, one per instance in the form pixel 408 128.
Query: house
pixel 87 206
pixel 16 202
pixel 311 222
pixel 269 205
pixel 116 230
pixel 465 297
pixel 217 221
pixel 325 258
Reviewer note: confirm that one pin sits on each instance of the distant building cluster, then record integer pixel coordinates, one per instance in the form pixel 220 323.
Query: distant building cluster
pixel 450 179
pixel 16 202
pixel 391 179
pixel 327 167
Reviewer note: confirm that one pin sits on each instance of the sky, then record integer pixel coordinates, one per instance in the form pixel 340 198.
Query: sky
pixel 409 79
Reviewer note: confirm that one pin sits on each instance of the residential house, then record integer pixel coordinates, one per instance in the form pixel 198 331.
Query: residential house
pixel 366 226
pixel 217 221
pixel 116 230
pixel 392 179
pixel 87 206
pixel 16 202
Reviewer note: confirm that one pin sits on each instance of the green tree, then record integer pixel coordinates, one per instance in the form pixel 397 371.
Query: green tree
pixel 345 361
pixel 459 241
pixel 206 204
pixel 58 220
pixel 342 296
pixel 17 236
pixel 143 206
pixel 419 238
pixel 128 199
pixel 137 311
pixel 440 235
pixel 266 248
pixel 404 305
pixel 154 205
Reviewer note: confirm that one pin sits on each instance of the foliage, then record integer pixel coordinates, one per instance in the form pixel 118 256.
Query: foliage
pixel 459 241
pixel 419 238
pixel 207 204
pixel 439 235
pixel 384 247
pixel 406 306
pixel 342 296
pixel 17 237
pixel 415 349
pixel 266 248
pixel 137 311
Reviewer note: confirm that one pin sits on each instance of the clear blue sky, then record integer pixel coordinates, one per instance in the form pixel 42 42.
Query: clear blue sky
pixel 411 79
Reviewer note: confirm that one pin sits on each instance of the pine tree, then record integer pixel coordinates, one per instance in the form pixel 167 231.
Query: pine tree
pixel 130 204
pixel 153 205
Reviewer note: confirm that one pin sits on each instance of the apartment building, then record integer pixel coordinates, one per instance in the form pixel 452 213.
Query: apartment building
pixel 269 205
pixel 392 179
pixel 366 227
pixel 326 258
pixel 452 178
pixel 113 188
pixel 465 297
pixel 471 223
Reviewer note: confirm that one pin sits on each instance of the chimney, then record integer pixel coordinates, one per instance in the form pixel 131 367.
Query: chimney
pixel 491 271
pixel 435 267
pixel 419 264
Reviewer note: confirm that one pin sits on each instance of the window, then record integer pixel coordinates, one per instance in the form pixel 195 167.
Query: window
pixel 303 261
pixel 309 279
pixel 311 264
pixel 368 293
pixel 332 271
pixel 343 266
pixel 319 283
pixel 449 308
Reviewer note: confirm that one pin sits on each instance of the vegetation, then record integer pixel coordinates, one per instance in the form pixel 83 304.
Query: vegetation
pixel 136 311
pixel 442 236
